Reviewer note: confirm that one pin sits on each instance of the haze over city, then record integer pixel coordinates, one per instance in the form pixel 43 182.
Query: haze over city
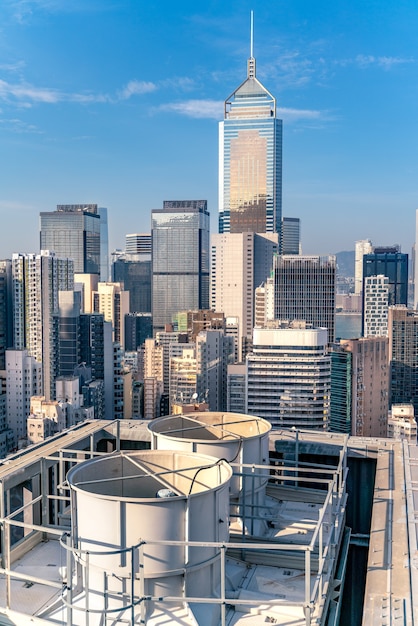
pixel 119 102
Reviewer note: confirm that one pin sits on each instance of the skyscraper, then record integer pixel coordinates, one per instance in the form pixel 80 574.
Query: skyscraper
pixel 138 243
pixel 73 231
pixel 68 332
pixel 36 280
pixel 240 263
pixel 134 272
pixel 375 307
pixel 111 300
pixel 359 386
pixel 403 349
pixel 180 259
pixel 104 245
pixel 364 246
pixel 6 309
pixel 290 235
pixel 390 262
pixel 304 289
pixel 250 159
pixel 289 376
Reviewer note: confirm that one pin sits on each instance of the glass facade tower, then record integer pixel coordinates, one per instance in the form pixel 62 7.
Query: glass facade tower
pixel 180 259
pixel 73 231
pixel 250 160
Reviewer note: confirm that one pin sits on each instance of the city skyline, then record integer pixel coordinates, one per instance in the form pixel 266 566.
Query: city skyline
pixel 119 105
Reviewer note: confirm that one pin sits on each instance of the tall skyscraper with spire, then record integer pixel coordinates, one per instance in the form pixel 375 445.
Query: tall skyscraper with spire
pixel 250 158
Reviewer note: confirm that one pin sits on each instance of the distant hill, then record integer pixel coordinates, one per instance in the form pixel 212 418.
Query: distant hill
pixel 345 263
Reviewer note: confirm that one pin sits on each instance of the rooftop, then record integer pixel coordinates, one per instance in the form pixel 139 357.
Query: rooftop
pixel 283 560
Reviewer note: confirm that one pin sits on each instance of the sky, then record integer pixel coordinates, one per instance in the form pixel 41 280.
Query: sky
pixel 117 102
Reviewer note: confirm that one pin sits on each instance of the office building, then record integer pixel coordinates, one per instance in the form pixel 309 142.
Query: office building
pixel 376 306
pixel 250 159
pixel 73 231
pixel 92 339
pixel 180 259
pixel 138 243
pixel 104 245
pixel 362 247
pixel 138 327
pixel 416 263
pixel 235 387
pixel 403 350
pixel 290 236
pixel 134 273
pixel 341 383
pixel 390 262
pixel 37 279
pixel 240 263
pixel 304 290
pixel 68 332
pixel 289 376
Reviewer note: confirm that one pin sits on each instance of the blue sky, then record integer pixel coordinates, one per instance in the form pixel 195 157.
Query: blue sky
pixel 118 102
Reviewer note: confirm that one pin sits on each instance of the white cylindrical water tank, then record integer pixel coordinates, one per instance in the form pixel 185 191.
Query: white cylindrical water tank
pixel 235 437
pixel 123 499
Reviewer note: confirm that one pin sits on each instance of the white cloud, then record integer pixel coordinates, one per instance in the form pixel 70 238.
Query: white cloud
pixel 136 87
pixel 295 115
pixel 18 126
pixel 212 109
pixel 369 60
pixel 23 10
pixel 24 91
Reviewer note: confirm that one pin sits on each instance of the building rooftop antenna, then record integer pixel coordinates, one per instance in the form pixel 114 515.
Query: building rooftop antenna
pixel 252 35
pixel 251 60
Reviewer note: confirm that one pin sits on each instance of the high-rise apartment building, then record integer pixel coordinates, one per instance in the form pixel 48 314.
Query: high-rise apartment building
pixel 180 259
pixel 6 309
pixel 23 380
pixel 376 305
pixel 359 386
pixel 289 376
pixel 37 280
pixel 367 400
pixel 111 300
pixel 73 231
pixel 250 159
pixel 304 289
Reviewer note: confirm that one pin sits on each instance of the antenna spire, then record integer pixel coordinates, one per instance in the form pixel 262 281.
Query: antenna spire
pixel 251 60
pixel 252 35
